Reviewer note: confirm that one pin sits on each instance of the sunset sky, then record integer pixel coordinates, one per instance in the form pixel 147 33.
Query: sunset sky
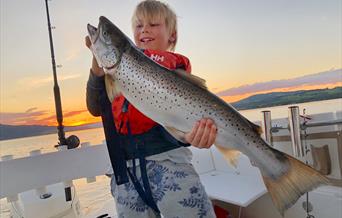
pixel 231 44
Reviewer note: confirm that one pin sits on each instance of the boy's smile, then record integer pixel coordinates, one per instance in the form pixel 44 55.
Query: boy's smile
pixel 146 39
pixel 152 35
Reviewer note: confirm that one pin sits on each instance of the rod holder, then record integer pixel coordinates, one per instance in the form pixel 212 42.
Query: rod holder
pixel 297 147
pixel 267 125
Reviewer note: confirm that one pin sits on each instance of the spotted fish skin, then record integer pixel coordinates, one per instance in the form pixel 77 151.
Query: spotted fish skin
pixel 176 100
pixel 165 97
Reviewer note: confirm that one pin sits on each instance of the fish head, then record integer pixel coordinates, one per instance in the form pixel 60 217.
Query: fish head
pixel 108 43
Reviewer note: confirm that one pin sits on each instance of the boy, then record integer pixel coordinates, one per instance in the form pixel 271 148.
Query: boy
pixel 175 186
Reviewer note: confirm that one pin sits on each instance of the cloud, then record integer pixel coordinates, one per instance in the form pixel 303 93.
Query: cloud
pixel 49 120
pixel 33 116
pixel 72 54
pixel 73 113
pixel 31 109
pixel 326 77
pixel 22 118
pixel 38 82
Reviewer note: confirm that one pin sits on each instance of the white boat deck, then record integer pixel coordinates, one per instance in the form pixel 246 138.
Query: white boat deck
pixel 239 186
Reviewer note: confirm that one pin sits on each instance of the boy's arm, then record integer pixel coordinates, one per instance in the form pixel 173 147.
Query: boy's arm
pixel 95 85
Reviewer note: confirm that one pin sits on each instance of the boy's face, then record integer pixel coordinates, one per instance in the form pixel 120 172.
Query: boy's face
pixel 152 35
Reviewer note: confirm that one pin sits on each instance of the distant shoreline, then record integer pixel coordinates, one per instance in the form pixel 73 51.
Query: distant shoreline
pixel 50 133
pixel 274 99
pixel 290 104
pixel 276 105
pixel 284 98
pixel 25 131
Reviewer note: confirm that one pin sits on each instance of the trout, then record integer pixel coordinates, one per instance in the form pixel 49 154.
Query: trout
pixel 176 100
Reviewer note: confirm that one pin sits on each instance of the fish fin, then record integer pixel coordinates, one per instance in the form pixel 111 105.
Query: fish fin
pixel 111 88
pixel 191 78
pixel 299 179
pixel 177 134
pixel 255 127
pixel 231 155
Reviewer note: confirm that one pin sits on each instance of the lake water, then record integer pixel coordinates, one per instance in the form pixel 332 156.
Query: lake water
pixel 93 195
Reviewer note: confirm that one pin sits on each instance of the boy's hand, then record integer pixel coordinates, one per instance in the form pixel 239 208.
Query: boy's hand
pixel 94 66
pixel 203 134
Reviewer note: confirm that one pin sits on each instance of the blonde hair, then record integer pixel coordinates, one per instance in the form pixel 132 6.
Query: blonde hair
pixel 153 10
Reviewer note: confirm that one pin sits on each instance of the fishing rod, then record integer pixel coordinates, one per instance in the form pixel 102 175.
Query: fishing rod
pixel 58 104
pixel 72 141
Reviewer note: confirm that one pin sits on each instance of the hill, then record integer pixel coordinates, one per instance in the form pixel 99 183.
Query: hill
pixel 11 131
pixel 284 98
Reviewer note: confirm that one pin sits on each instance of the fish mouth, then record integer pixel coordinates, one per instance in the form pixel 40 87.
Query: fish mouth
pixel 93 33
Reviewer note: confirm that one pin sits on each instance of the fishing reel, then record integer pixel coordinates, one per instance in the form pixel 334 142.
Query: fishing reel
pixel 71 142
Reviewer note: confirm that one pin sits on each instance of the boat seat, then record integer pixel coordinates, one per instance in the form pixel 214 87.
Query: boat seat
pixel 240 186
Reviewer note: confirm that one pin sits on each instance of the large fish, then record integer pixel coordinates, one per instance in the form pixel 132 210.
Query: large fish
pixel 177 100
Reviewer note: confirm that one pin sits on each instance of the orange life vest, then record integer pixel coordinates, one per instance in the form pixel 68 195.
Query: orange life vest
pixel 139 123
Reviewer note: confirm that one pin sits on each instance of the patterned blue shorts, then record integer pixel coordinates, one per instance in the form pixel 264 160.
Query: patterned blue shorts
pixel 176 188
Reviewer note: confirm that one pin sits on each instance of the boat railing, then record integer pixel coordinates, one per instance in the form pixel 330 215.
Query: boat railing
pixel 275 129
pixel 307 137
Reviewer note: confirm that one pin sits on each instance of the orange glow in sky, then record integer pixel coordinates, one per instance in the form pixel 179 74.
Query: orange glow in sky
pixel 48 118
pixel 77 120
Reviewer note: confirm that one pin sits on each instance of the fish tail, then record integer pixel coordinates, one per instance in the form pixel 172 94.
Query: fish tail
pixel 299 179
